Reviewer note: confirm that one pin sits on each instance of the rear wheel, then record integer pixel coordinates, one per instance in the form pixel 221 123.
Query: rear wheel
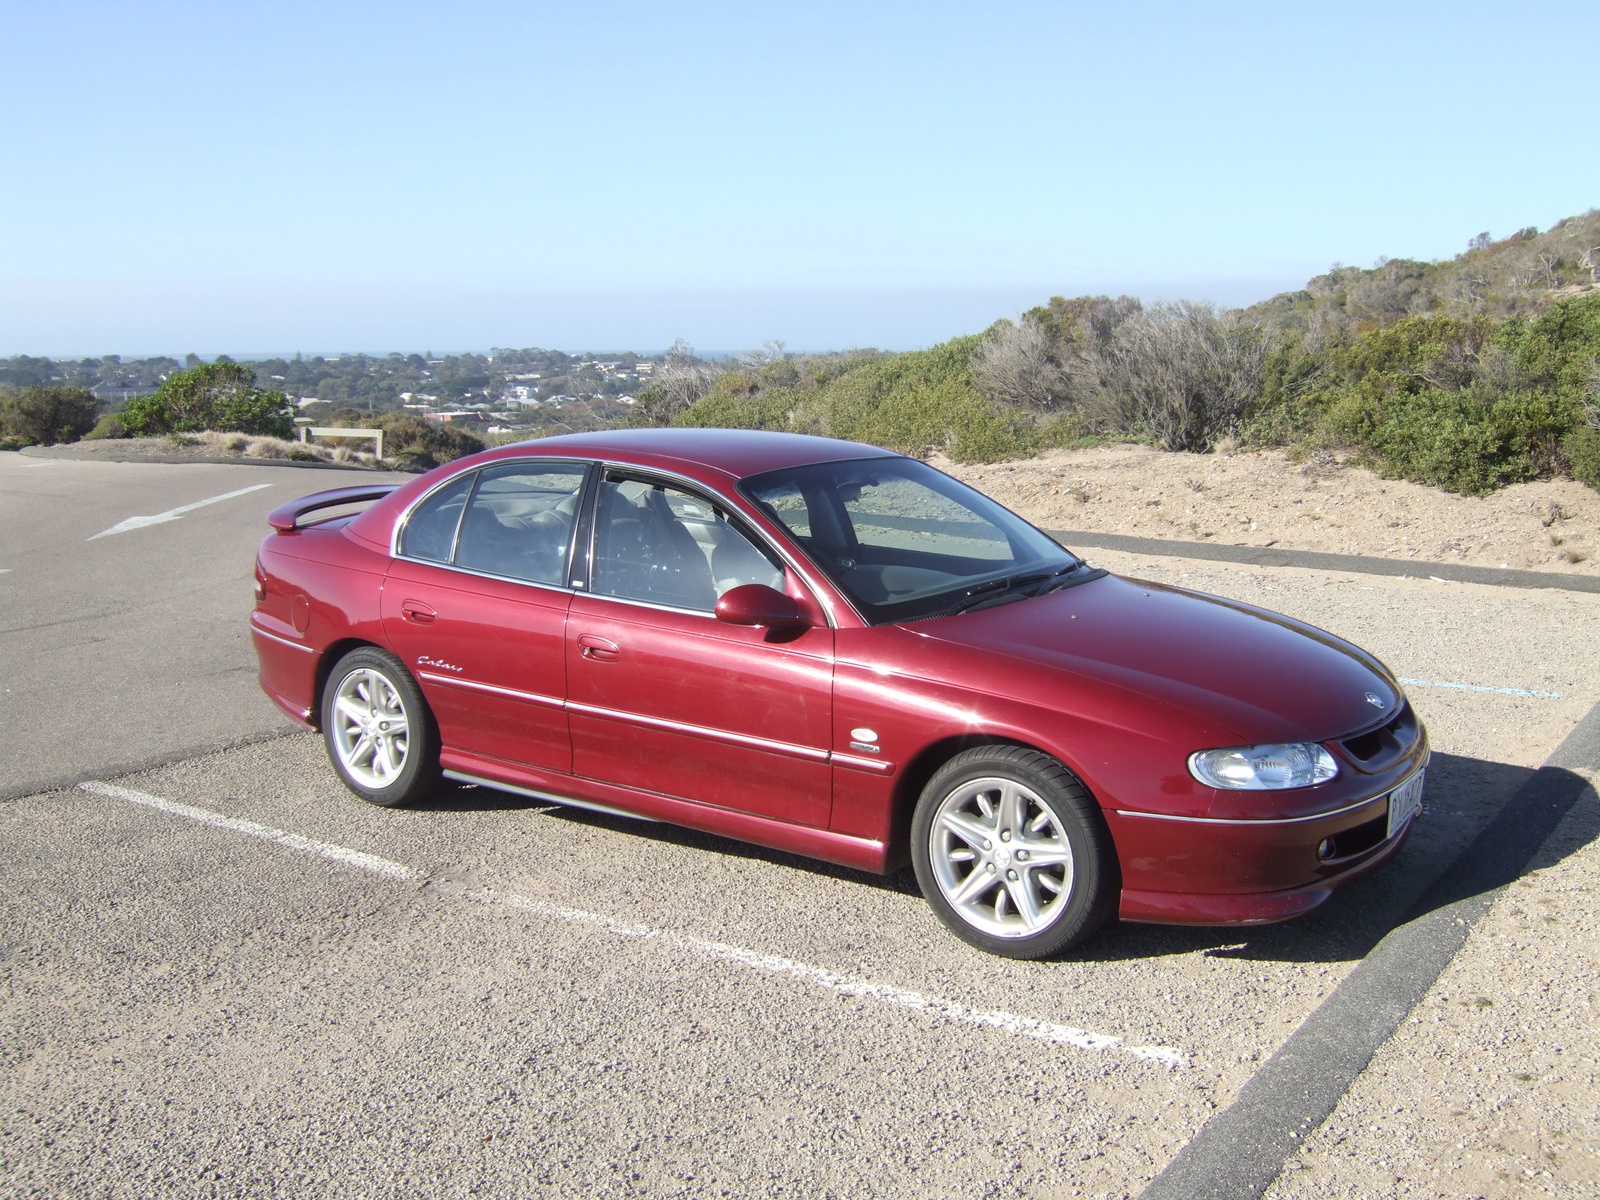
pixel 1012 854
pixel 378 730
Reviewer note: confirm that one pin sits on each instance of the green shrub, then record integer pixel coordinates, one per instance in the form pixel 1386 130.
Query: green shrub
pixel 910 402
pixel 108 426
pixel 735 402
pixel 221 396
pixel 1559 347
pixel 1582 449
pixel 42 415
pixel 420 445
pixel 1455 440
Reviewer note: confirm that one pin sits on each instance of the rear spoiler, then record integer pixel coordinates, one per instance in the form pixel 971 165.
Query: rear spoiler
pixel 286 517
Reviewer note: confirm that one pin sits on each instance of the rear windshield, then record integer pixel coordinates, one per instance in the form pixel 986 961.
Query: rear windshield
pixel 903 540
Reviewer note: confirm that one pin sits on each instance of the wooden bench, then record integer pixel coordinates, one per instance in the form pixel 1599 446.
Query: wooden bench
pixel 336 431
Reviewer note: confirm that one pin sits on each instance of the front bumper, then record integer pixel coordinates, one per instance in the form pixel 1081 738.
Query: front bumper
pixel 1250 908
pixel 1188 871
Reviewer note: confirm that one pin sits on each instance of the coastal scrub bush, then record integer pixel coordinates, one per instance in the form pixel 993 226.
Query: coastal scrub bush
pixel 736 401
pixel 1582 448
pixel 108 426
pixel 420 445
pixel 1179 374
pixel 924 399
pixel 220 396
pixel 1461 441
pixel 913 402
pixel 42 415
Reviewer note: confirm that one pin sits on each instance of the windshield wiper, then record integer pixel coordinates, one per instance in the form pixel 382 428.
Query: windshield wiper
pixel 1008 590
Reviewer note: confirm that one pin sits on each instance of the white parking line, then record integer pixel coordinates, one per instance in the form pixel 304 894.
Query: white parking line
pixel 355 858
pixel 1474 687
pixel 848 985
pixel 172 514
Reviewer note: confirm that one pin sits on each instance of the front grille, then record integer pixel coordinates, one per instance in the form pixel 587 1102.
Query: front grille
pixel 1378 749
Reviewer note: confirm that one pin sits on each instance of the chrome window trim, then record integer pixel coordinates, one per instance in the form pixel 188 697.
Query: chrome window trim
pixel 398 533
pixel 650 604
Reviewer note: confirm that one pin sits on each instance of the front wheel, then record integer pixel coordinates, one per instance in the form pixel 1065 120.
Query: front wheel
pixel 1012 854
pixel 378 729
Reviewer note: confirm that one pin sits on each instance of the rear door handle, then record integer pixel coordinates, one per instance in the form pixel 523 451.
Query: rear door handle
pixel 417 612
pixel 598 649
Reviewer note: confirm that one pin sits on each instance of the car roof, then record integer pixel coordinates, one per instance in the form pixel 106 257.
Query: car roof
pixel 734 452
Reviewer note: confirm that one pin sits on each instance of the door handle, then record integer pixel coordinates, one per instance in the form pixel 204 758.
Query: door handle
pixel 417 612
pixel 598 649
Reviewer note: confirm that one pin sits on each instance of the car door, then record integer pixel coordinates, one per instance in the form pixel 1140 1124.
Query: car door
pixel 475 604
pixel 666 698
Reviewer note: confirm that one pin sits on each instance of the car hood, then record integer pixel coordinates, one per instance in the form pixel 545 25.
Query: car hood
pixel 1267 677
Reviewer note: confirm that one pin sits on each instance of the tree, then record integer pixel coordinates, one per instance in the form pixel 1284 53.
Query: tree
pixel 42 415
pixel 219 396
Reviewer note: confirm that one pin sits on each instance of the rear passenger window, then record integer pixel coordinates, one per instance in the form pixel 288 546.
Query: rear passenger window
pixel 519 521
pixel 430 532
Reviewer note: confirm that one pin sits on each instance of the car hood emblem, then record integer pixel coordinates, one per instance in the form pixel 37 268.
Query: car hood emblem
pixel 1374 700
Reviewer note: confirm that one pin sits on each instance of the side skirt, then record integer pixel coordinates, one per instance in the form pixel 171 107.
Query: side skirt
pixel 862 854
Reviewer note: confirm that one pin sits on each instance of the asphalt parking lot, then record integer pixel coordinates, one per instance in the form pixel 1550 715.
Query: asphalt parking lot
pixel 123 647
pixel 227 976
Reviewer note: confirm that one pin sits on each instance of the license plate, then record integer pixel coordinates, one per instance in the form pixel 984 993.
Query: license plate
pixel 1404 802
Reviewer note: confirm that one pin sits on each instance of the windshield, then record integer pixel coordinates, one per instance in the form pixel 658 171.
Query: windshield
pixel 904 540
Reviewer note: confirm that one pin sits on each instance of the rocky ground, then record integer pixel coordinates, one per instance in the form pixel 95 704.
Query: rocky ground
pixel 1261 498
pixel 211 447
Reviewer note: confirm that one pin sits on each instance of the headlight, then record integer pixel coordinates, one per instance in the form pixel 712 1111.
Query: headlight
pixel 1263 768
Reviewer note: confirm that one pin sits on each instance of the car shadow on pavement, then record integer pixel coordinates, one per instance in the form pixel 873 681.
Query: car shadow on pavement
pixel 467 797
pixel 1463 795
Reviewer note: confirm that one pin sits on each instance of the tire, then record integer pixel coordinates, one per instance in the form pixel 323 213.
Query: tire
pixel 1012 854
pixel 380 736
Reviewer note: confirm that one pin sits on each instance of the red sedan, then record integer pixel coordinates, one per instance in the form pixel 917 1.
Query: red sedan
pixel 830 649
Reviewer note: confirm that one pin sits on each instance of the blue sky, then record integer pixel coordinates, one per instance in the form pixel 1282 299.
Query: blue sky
pixel 350 176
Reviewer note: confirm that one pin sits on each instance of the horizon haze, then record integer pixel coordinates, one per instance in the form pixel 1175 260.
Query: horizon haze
pixel 618 174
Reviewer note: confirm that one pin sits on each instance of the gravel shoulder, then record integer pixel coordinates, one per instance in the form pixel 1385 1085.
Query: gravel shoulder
pixel 1260 498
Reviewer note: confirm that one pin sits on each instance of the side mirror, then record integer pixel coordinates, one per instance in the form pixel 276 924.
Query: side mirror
pixel 758 604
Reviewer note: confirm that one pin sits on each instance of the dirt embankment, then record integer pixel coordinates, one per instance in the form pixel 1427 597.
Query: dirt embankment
pixel 1260 498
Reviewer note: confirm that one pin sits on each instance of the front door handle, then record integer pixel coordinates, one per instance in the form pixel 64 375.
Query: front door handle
pixel 598 649
pixel 417 612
